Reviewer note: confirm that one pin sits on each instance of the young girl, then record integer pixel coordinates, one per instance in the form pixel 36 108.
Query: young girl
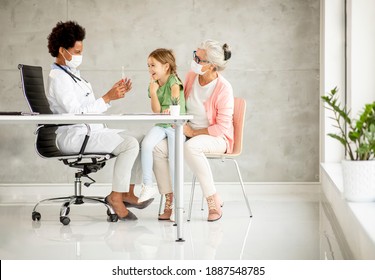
pixel 164 85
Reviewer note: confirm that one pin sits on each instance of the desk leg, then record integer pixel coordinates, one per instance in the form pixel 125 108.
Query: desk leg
pixel 179 181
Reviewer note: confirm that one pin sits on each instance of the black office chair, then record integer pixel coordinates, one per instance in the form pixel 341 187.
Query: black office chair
pixel 45 144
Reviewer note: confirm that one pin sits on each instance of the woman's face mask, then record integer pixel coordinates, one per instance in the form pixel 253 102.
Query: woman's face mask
pixel 74 62
pixel 196 68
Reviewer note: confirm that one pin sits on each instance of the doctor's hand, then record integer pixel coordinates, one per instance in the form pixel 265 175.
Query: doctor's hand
pixel 118 90
pixel 127 83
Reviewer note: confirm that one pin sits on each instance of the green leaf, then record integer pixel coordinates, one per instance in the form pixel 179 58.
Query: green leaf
pixel 339 138
pixel 359 134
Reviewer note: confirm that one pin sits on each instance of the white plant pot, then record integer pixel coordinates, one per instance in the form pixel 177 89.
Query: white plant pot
pixel 174 110
pixel 359 180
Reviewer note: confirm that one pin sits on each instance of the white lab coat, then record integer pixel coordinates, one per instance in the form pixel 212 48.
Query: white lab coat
pixel 66 96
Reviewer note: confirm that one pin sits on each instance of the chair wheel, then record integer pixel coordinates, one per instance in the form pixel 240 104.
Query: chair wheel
pixel 36 216
pixel 112 218
pixel 65 220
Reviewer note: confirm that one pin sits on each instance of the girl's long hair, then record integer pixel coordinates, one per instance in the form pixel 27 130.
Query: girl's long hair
pixel 166 56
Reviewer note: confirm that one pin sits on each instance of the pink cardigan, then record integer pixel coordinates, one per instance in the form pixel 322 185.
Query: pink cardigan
pixel 219 108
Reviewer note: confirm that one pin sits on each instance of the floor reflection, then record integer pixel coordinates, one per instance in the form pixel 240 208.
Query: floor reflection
pixel 284 227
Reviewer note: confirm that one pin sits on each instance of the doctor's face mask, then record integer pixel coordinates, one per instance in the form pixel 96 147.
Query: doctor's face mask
pixel 74 62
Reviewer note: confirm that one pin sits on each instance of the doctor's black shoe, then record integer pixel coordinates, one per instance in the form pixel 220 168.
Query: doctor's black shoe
pixel 129 217
pixel 141 205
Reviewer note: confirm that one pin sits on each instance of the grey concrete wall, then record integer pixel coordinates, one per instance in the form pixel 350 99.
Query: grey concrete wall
pixel 274 66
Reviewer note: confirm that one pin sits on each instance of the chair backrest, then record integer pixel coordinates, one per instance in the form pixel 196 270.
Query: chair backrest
pixel 45 143
pixel 239 115
pixel 33 88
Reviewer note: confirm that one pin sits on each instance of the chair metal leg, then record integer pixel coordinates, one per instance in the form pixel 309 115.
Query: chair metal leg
pixel 77 199
pixel 97 199
pixel 191 196
pixel 55 199
pixel 65 208
pixel 243 187
pixel 101 200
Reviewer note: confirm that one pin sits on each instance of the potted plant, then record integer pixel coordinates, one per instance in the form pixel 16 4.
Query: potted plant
pixel 358 138
pixel 174 108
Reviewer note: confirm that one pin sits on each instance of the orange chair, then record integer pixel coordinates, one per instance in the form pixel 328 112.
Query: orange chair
pixel 238 123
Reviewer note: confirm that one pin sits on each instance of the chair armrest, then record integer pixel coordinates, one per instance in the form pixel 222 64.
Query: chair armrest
pixel 39 126
pixel 84 144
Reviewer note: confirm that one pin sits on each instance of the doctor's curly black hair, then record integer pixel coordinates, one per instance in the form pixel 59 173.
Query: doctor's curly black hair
pixel 64 34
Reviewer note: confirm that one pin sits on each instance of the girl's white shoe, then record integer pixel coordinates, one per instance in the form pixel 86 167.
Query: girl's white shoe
pixel 147 192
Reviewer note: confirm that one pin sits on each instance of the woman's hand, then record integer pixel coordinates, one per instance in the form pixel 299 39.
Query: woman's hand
pixel 118 90
pixel 188 131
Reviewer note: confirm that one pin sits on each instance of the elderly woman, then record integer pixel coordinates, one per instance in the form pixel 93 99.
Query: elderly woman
pixel 209 98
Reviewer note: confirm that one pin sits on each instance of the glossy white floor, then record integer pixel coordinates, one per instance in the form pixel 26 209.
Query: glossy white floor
pixel 287 225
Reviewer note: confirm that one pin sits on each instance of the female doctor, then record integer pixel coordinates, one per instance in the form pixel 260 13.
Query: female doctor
pixel 70 93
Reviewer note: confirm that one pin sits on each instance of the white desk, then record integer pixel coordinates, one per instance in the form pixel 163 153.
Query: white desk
pixel 102 118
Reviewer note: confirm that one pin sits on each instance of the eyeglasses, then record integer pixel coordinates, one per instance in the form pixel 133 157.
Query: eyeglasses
pixel 197 59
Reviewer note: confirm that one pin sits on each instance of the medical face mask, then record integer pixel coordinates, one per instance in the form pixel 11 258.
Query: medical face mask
pixel 75 62
pixel 196 68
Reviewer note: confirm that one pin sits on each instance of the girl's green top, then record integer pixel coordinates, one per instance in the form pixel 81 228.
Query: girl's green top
pixel 164 94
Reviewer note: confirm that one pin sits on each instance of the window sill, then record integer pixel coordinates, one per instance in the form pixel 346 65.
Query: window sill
pixel 357 220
